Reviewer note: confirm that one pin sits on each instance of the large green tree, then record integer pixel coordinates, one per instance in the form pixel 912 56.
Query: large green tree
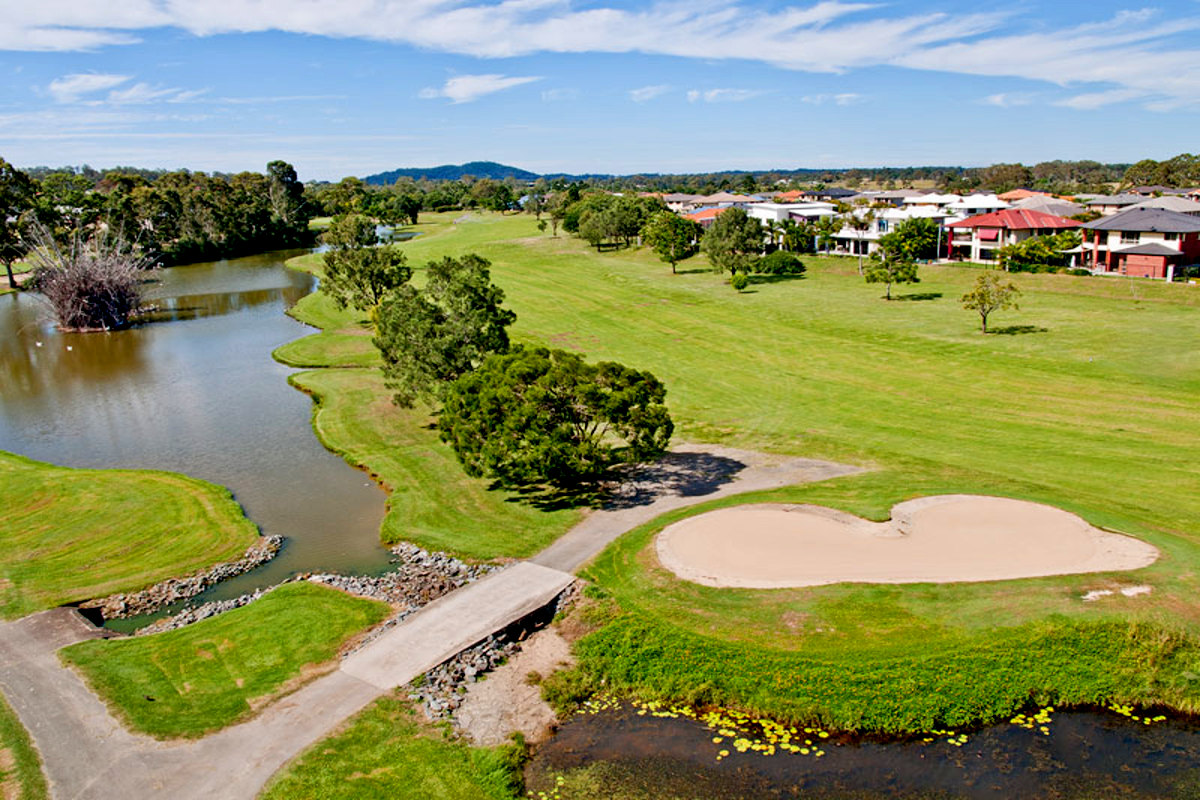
pixel 357 273
pixel 915 238
pixel 733 241
pixel 672 237
pixel 546 417
pixel 16 197
pixel 431 336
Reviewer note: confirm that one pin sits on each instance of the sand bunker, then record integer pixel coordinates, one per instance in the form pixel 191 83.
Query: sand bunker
pixel 942 539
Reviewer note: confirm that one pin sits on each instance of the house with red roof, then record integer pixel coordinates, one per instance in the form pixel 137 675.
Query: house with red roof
pixel 978 238
pixel 705 216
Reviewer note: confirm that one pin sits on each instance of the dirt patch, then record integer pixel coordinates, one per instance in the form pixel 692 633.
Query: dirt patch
pixel 508 701
pixel 10 789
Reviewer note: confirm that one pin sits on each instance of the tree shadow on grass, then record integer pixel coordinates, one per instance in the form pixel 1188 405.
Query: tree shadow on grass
pixel 918 296
pixel 1017 330
pixel 756 279
pixel 631 485
pixel 695 271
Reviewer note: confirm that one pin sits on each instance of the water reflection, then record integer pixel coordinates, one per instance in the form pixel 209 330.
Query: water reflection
pixel 193 389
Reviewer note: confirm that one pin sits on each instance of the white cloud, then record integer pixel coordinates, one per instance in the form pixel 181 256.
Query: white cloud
pixel 70 88
pixel 647 93
pixel 723 95
pixel 1008 99
pixel 842 99
pixel 1138 51
pixel 466 88
pixel 558 95
pixel 1090 101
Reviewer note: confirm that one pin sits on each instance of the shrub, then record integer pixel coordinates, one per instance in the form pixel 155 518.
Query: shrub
pixel 781 262
pixel 739 281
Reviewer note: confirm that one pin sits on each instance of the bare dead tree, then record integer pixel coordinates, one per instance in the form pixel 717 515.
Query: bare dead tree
pixel 92 284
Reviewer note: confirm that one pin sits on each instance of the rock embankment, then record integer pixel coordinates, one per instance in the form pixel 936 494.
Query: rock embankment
pixel 172 590
pixel 442 689
pixel 419 578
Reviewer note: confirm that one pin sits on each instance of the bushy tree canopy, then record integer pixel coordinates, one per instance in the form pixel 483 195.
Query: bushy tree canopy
pixel 672 237
pixel 890 265
pixel 913 238
pixel 431 336
pixel 546 417
pixel 733 241
pixel 1038 253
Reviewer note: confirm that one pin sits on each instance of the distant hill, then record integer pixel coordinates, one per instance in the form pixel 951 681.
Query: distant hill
pixel 453 172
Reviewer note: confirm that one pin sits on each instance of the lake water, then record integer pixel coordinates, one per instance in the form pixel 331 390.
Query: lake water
pixel 196 392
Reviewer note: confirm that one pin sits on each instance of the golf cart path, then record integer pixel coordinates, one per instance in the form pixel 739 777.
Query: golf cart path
pixel 88 753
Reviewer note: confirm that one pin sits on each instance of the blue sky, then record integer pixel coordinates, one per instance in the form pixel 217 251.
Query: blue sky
pixel 358 86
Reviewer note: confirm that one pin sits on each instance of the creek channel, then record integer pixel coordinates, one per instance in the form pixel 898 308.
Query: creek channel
pixel 196 391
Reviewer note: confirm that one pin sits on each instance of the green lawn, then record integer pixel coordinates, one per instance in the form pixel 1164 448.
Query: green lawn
pixel 73 534
pixel 21 775
pixel 203 677
pixel 386 752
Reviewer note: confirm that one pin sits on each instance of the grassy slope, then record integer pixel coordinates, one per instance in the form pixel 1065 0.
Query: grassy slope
pixel 431 501
pixel 386 752
pixel 77 534
pixel 21 775
pixel 1094 410
pixel 211 674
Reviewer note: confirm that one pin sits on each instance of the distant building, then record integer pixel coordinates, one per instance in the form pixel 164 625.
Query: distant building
pixel 1108 204
pixel 830 194
pixel 706 216
pixel 1048 204
pixel 1016 195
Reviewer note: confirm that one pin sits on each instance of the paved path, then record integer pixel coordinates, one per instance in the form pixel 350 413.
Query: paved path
pixel 89 755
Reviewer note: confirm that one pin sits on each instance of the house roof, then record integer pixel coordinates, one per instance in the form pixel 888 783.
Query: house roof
pixel 1126 199
pixel 1171 203
pixel 783 197
pixel 1157 189
pixel 727 197
pixel 1048 204
pixel 1021 194
pixel 978 201
pixel 1148 249
pixel 829 191
pixel 897 194
pixel 1015 219
pixel 1147 220
pixel 678 197
pixel 706 213
pixel 933 198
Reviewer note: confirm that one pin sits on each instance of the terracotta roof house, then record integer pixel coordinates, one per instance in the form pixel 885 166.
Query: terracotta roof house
pixel 793 196
pixel 1022 194
pixel 705 216
pixel 978 238
pixel 1143 242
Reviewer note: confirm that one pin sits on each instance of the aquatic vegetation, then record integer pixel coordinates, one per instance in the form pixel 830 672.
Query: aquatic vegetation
pixel 1127 711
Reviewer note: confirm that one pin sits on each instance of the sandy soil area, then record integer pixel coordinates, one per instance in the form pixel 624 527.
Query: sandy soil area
pixel 944 539
pixel 505 701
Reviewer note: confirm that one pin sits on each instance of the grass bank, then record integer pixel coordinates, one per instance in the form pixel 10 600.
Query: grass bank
pixel 431 502
pixel 21 775
pixel 206 676
pixel 73 534
pixel 388 751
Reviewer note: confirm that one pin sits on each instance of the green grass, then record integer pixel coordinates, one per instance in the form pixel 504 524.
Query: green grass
pixel 21 775
pixel 386 752
pixel 203 677
pixel 73 534
pixel 1087 403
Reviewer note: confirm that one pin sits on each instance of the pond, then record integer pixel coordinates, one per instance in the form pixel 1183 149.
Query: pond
pixel 619 752
pixel 196 392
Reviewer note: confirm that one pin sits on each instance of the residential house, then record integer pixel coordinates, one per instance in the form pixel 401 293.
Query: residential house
pixel 1017 195
pixel 974 205
pixel 1157 190
pixel 932 199
pixel 1049 204
pixel 725 200
pixel 978 238
pixel 1142 242
pixel 1180 205
pixel 705 216
pixel 830 194
pixel 1108 204
pixel 854 242
pixel 799 212
pixel 681 203
pixel 894 197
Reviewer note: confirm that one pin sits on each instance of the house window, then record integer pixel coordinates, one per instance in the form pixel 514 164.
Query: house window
pixel 1171 237
pixel 883 226
pixel 1130 237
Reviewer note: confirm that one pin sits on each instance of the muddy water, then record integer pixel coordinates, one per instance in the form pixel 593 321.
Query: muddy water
pixel 1087 754
pixel 197 392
